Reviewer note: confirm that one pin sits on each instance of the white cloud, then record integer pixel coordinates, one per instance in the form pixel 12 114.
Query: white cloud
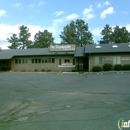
pixel 57 21
pixel 88 13
pixel 110 10
pixel 17 4
pixel 41 3
pixel 32 5
pixel 124 12
pixel 2 13
pixel 99 5
pixel 32 16
pixel 8 30
pixel 72 16
pixel 128 27
pixel 107 3
pixel 59 13
pixel 96 31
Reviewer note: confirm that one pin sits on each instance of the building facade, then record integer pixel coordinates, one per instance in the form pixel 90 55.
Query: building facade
pixel 64 57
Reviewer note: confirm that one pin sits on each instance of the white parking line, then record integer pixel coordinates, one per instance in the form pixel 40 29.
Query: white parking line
pixel 120 72
pixel 99 73
pixel 59 73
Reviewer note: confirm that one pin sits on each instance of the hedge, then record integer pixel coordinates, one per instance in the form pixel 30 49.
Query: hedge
pixel 126 67
pixel 118 67
pixel 96 69
pixel 107 67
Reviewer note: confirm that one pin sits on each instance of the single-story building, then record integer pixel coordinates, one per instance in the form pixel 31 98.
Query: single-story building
pixel 64 57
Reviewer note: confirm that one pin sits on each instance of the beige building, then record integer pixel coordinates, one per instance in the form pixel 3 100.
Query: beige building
pixel 108 53
pixel 64 57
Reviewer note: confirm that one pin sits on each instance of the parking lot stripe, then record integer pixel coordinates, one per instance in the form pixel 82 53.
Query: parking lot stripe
pixel 99 73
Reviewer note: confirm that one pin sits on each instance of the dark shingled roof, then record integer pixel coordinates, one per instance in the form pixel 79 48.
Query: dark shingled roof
pixel 108 48
pixel 79 52
pixel 8 54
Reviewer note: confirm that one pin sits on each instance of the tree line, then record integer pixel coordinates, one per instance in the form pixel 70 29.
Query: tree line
pixel 76 32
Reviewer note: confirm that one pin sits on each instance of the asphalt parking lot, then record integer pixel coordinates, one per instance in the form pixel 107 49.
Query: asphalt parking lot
pixel 64 101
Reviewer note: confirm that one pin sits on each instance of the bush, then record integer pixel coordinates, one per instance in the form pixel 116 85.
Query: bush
pixel 81 72
pixel 73 70
pixel 42 70
pixel 36 70
pixel 118 67
pixel 96 69
pixel 6 68
pixel 126 67
pixel 48 70
pixel 107 67
pixel 23 70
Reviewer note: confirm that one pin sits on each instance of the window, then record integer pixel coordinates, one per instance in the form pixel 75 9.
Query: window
pixel 49 60
pixel 45 60
pixel 19 61
pixel 42 60
pixel 73 61
pixel 53 60
pixel 98 60
pixel 29 61
pixel 22 61
pixel 59 61
pixel 25 61
pixel 116 60
pixel 35 60
pixel 114 46
pixel 39 60
pixel 32 60
pixel 97 46
pixel 67 61
pixel 16 61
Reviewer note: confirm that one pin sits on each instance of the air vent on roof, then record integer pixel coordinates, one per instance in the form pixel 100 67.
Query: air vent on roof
pixel 114 46
pixel 128 45
pixel 97 46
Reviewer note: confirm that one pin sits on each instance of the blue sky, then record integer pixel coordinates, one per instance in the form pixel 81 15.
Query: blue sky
pixel 53 15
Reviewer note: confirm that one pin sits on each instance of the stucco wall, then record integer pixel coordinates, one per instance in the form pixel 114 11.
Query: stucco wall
pixel 109 58
pixel 31 67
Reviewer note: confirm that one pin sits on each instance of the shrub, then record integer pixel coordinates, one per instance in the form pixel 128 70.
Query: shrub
pixel 81 72
pixel 96 69
pixel 73 70
pixel 6 68
pixel 118 67
pixel 42 70
pixel 126 67
pixel 23 70
pixel 36 70
pixel 48 70
pixel 107 67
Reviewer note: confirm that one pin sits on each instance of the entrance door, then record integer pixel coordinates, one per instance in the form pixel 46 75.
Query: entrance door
pixel 5 65
pixel 85 63
pixel 82 63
